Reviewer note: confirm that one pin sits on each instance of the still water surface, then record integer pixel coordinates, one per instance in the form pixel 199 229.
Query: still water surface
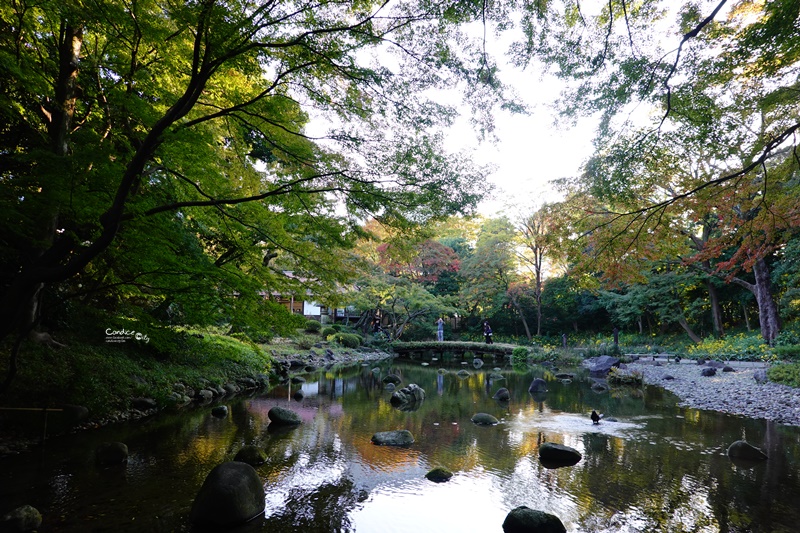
pixel 658 468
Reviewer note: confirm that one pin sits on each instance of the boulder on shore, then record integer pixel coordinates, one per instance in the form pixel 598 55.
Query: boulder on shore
pixel 231 495
pixel 526 520
pixel 600 366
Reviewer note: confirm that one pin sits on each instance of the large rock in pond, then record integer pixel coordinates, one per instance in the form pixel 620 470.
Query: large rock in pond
pixel 231 495
pixel 252 455
pixel 554 455
pixel 283 417
pixel 484 419
pixel 21 519
pixel 392 378
pixel 526 520
pixel 502 395
pixel 401 437
pixel 744 450
pixel 410 394
pixel 600 366
pixel 439 474
pixel 111 453
pixel 538 385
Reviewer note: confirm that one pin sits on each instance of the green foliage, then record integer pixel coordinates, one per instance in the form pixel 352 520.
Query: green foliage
pixel 520 354
pixel 105 376
pixel 327 331
pixel 313 326
pixel 305 342
pixel 350 340
pixel 734 347
pixel 787 351
pixel 786 374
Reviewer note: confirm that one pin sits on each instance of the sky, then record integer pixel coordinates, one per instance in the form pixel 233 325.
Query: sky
pixel 530 151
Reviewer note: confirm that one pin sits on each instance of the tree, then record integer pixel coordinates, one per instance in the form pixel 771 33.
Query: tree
pixel 490 270
pixel 123 118
pixel 537 238
pixel 723 93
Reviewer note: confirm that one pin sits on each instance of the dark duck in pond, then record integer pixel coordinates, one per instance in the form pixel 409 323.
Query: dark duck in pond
pixel 595 417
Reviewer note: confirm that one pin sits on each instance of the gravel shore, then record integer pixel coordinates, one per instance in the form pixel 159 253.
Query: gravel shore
pixel 735 393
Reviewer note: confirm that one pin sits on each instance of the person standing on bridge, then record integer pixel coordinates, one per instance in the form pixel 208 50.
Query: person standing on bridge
pixel 440 329
pixel 487 332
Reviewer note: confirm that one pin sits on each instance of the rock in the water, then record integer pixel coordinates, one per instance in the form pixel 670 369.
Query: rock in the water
pixel 401 437
pixel 502 395
pixel 526 520
pixel 554 455
pixel 232 494
pixel 252 455
pixel 477 362
pixel 744 450
pixel 439 475
pixel 484 419
pixel 220 411
pixel 538 385
pixel 392 378
pixel 411 393
pixel 283 416
pixel 111 453
pixel 463 373
pixel 25 518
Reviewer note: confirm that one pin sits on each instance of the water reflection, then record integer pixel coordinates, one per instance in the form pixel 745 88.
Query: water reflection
pixel 657 468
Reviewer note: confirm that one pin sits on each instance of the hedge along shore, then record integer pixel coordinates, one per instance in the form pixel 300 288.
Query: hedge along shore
pixel 735 393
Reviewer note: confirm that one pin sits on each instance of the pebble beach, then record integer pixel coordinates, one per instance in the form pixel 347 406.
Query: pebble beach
pixel 735 393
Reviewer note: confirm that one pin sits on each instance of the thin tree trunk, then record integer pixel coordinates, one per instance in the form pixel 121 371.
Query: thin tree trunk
pixel 716 309
pixel 685 325
pixel 746 317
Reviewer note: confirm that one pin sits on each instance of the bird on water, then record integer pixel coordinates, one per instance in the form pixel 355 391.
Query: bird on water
pixel 595 417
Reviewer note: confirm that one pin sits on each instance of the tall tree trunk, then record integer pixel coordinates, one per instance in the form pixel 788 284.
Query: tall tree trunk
pixel 23 301
pixel 767 308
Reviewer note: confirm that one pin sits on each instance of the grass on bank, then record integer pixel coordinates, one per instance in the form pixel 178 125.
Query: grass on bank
pixel 104 376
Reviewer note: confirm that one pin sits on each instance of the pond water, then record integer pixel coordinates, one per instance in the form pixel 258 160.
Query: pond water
pixel 657 468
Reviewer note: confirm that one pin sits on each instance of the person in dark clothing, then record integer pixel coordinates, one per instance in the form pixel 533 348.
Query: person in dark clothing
pixel 487 332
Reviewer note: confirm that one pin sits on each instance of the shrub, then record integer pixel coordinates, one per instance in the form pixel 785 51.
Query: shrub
pixel 520 354
pixel 312 326
pixel 738 347
pixel 787 351
pixel 337 327
pixel 349 340
pixel 787 374
pixel 304 342
pixel 327 331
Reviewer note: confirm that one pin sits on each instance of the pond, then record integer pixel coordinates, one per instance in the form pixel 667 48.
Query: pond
pixel 657 468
